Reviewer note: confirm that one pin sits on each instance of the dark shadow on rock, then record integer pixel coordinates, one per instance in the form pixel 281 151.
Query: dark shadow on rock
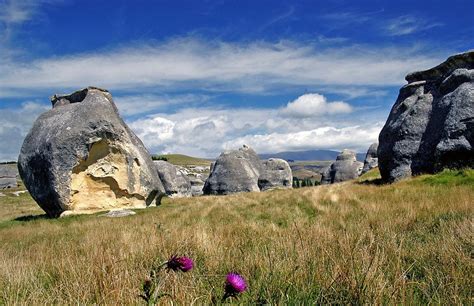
pixel 32 218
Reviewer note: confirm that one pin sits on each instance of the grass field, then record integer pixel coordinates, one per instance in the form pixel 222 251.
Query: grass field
pixel 184 160
pixel 356 242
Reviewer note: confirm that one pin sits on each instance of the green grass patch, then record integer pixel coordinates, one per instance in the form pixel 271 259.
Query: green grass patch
pixel 450 178
pixel 371 175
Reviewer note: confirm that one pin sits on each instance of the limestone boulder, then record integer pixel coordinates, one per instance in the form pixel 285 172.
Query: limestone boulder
pixel 197 184
pixel 175 182
pixel 345 168
pixel 276 174
pixel 234 171
pixel 430 126
pixel 8 174
pixel 81 157
pixel 371 160
pixel 326 176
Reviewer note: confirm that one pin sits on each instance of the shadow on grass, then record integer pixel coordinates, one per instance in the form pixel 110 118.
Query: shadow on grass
pixel 376 182
pixel 32 218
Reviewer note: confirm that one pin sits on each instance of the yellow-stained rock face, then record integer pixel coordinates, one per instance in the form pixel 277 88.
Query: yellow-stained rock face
pixel 105 180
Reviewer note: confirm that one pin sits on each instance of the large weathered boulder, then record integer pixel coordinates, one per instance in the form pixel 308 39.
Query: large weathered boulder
pixel 276 173
pixel 430 126
pixel 371 161
pixel 175 182
pixel 80 157
pixel 234 171
pixel 8 175
pixel 345 168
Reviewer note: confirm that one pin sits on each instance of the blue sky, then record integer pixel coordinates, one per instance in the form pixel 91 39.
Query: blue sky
pixel 198 77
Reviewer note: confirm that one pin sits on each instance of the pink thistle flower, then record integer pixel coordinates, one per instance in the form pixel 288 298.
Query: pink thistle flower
pixel 234 284
pixel 183 263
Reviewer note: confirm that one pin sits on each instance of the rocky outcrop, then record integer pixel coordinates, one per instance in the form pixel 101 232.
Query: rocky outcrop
pixel 197 185
pixel 326 176
pixel 430 126
pixel 371 160
pixel 242 171
pixel 234 171
pixel 175 182
pixel 80 157
pixel 8 174
pixel 345 168
pixel 276 174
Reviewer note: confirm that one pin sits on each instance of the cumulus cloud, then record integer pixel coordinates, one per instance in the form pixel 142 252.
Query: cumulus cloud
pixel 219 66
pixel 328 137
pixel 207 131
pixel 310 105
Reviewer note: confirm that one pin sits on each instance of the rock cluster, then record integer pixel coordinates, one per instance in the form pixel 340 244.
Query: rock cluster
pixel 175 182
pixel 371 160
pixel 431 125
pixel 345 168
pixel 242 171
pixel 81 157
pixel 8 174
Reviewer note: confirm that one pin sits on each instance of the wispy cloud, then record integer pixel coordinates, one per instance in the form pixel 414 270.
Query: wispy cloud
pixel 347 18
pixel 14 13
pixel 219 66
pixel 131 105
pixel 278 18
pixel 407 24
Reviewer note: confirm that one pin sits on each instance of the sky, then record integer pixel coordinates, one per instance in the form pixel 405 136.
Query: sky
pixel 199 77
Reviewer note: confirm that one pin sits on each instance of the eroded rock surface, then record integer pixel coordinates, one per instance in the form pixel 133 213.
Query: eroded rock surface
pixel 80 157
pixel 345 168
pixel 326 176
pixel 276 174
pixel 8 174
pixel 234 171
pixel 430 126
pixel 175 182
pixel 371 161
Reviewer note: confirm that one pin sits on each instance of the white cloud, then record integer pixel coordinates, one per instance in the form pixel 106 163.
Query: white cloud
pixel 406 24
pixel 14 125
pixel 328 137
pixel 214 65
pixel 206 132
pixel 311 105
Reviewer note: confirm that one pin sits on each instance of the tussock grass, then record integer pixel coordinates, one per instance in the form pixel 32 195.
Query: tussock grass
pixel 406 243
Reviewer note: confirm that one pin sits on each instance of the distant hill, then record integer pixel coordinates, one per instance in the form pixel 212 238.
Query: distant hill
pixel 184 160
pixel 308 155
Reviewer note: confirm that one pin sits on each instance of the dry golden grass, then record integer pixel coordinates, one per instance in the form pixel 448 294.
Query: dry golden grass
pixel 406 243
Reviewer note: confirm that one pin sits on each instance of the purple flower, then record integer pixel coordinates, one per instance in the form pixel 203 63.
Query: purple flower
pixel 234 284
pixel 183 263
